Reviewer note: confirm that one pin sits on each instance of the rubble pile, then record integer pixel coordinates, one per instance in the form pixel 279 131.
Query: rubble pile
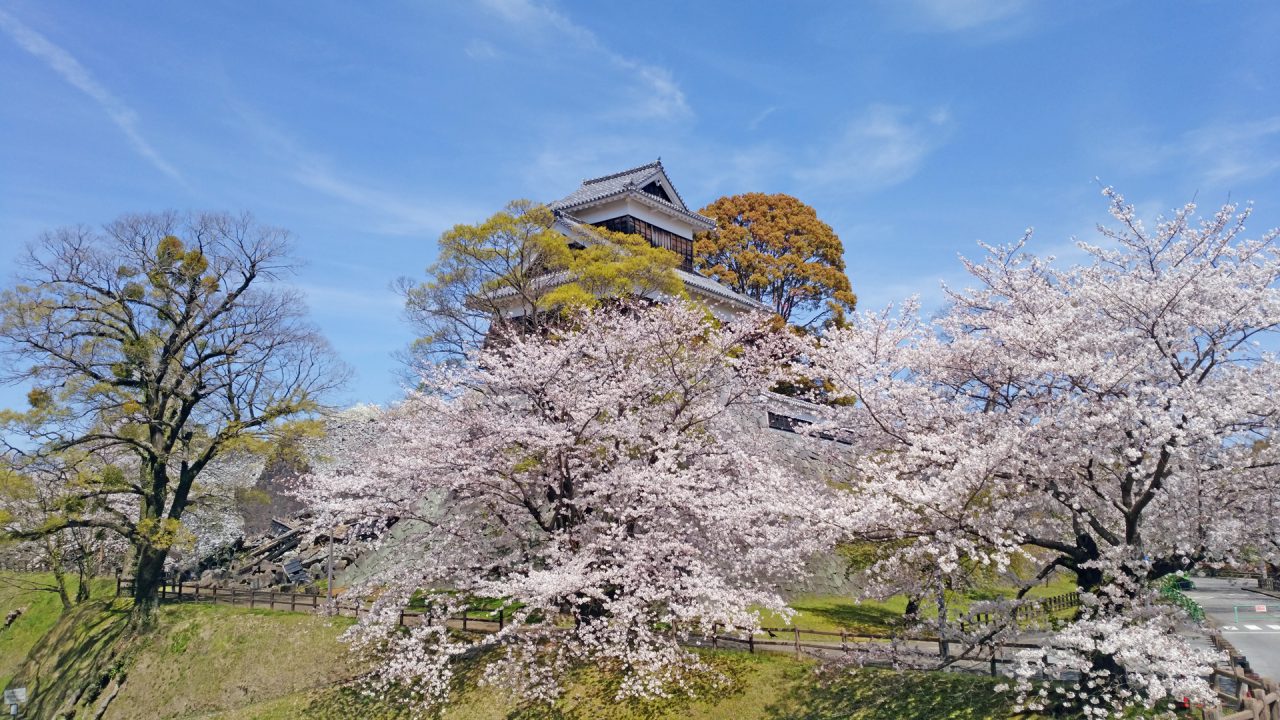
pixel 285 558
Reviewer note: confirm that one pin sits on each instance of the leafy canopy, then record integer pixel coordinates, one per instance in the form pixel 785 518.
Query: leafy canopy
pixel 154 348
pixel 516 270
pixel 773 248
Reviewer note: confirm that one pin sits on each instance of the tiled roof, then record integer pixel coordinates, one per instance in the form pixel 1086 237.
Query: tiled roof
pixel 573 227
pixel 713 287
pixel 629 181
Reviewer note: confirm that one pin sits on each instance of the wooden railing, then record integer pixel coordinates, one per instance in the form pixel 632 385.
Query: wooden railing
pixel 1036 609
pixel 1250 697
pixel 475 618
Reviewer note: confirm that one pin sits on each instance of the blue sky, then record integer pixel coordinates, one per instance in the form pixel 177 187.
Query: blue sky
pixel 914 127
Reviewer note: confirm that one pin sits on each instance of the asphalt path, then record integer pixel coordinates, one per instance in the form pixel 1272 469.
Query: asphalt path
pixel 1248 620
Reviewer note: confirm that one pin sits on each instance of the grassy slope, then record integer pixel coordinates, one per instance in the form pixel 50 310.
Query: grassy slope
pixel 200 661
pixel 762 687
pixel 43 608
pixel 203 659
pixel 836 612
pixel 240 664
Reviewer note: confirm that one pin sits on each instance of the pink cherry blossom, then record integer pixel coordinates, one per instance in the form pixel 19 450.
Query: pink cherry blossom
pixel 602 483
pixel 1112 418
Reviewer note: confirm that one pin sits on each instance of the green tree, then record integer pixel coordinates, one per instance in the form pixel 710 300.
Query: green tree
pixel 153 348
pixel 517 272
pixel 35 496
pixel 773 248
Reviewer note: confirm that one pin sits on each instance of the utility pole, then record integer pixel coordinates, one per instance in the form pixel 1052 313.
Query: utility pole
pixel 329 585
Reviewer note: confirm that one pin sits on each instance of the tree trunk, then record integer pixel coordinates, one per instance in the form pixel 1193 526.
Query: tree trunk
pixel 147 577
pixel 912 609
pixel 82 590
pixel 944 647
pixel 59 576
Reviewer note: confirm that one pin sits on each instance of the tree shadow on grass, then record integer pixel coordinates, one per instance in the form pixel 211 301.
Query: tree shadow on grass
pixel 76 660
pixel 852 616
pixel 590 694
pixel 874 694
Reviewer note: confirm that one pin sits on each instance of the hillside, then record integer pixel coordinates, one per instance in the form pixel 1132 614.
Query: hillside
pixel 231 663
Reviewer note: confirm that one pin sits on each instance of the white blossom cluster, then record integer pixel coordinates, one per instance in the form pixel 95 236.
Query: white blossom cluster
pixel 599 483
pixel 1114 419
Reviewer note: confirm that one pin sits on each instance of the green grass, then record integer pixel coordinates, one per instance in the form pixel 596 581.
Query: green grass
pixel 759 687
pixel 203 659
pixel 43 608
pixel 840 612
pixel 234 663
pixel 66 668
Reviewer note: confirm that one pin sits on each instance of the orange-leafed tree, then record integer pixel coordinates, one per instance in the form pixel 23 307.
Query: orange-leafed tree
pixel 775 249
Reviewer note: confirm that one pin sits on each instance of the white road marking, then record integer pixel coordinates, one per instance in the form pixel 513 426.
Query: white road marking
pixel 1274 627
pixel 1252 627
pixel 1228 627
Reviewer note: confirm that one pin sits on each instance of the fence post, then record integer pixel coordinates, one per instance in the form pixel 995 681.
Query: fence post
pixel 751 642
pixel 844 644
pixel 253 595
pixel 293 602
pixel 464 618
pixel 797 635
pixel 500 613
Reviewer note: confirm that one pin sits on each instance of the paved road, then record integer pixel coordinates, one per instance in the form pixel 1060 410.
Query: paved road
pixel 1238 613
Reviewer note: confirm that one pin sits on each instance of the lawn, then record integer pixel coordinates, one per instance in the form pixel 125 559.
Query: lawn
pixel 840 612
pixel 42 610
pixel 758 687
pixel 234 663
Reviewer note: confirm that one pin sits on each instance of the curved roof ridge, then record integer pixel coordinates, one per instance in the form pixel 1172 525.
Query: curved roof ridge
pixel 656 164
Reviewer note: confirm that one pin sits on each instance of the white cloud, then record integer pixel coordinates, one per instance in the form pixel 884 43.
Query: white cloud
pixel 366 303
pixel 960 15
pixel 663 97
pixel 760 117
pixel 1220 155
pixel 391 213
pixel 380 209
pixel 885 146
pixel 70 69
pixel 1236 152
pixel 481 50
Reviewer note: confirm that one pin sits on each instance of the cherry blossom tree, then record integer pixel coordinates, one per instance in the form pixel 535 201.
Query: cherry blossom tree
pixel 600 483
pixel 1112 418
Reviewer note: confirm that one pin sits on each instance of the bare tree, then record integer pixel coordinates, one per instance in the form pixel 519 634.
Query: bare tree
pixel 154 346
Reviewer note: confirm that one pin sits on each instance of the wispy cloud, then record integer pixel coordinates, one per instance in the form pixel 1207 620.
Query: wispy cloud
pixel 1236 152
pixel 481 50
pixel 761 116
pixel 392 213
pixel 70 69
pixel 960 15
pixel 884 146
pixel 1218 154
pixel 364 303
pixel 663 96
pixel 380 209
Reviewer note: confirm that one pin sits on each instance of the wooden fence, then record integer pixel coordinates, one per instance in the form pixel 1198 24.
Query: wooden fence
pixel 1036 609
pixel 1252 697
pixel 479 619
